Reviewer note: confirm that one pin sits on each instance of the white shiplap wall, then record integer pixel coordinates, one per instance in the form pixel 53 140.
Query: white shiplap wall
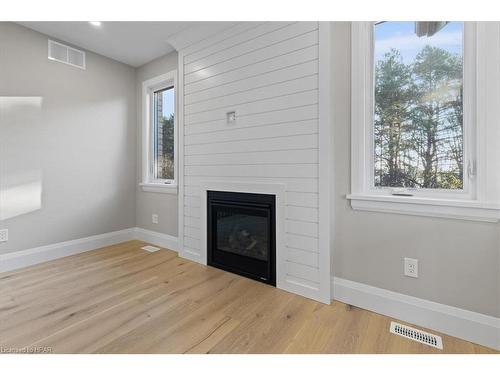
pixel 268 74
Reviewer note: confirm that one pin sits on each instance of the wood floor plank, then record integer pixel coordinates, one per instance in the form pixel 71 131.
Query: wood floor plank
pixel 67 263
pixel 68 271
pixel 44 321
pixel 181 331
pixel 121 299
pixel 101 279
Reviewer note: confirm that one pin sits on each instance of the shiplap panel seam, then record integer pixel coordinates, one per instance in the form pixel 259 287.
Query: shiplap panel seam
pixel 254 101
pixel 252 114
pixel 248 165
pixel 301 206
pixel 222 47
pixel 253 107
pixel 307 156
pixel 304 29
pixel 301 227
pixel 190 236
pixel 303 235
pixel 304 258
pixel 192 227
pixel 213 39
pixel 284 116
pixel 244 28
pixel 285 170
pixel 313 253
pixel 307 185
pixel 292 205
pixel 242 48
pixel 294 44
pixel 306 83
pixel 292 178
pixel 257 151
pixel 302 264
pixel 227 80
pixel 265 66
pixel 301 281
pixel 266 69
pixel 302 271
pixel 239 143
pixel 302 242
pixel 302 221
pixel 247 133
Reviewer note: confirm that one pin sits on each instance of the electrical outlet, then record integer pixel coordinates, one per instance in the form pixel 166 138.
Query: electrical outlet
pixel 154 218
pixel 411 267
pixel 4 235
pixel 231 117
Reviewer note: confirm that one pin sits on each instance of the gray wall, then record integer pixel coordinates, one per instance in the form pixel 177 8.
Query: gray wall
pixel 458 260
pixel 67 144
pixel 165 205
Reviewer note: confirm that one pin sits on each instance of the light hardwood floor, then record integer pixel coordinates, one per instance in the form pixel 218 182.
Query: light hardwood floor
pixel 121 299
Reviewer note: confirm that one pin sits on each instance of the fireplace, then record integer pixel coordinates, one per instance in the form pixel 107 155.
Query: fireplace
pixel 241 234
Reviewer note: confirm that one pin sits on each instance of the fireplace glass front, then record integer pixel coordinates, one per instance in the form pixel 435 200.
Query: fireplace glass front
pixel 241 234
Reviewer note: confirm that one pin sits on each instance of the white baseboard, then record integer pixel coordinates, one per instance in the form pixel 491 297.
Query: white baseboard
pixel 29 257
pixel 156 238
pixel 467 325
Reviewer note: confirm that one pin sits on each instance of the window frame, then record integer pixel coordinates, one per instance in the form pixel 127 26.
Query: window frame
pixel 149 87
pixel 425 202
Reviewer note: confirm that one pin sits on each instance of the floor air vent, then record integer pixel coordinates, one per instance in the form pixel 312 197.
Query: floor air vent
pixel 150 248
pixel 417 335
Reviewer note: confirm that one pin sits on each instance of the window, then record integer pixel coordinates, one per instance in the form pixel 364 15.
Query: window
pixel 414 122
pixel 418 105
pixel 159 134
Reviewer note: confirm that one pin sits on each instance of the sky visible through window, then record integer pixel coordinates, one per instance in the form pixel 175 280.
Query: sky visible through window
pixel 168 103
pixel 401 36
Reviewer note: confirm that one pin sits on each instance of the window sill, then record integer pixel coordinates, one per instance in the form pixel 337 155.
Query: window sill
pixel 159 188
pixel 431 207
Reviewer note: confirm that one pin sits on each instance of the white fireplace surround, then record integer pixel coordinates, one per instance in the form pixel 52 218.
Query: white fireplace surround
pixel 280 143
pixel 276 189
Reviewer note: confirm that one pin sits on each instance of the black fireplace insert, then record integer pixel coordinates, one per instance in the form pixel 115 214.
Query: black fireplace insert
pixel 241 234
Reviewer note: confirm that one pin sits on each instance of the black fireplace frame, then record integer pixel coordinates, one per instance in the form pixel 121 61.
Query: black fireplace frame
pixel 260 270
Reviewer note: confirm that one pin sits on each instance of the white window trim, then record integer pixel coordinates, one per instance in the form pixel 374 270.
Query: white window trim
pixel 465 204
pixel 148 183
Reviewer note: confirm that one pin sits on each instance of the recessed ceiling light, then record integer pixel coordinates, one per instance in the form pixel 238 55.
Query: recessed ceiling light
pixel 95 23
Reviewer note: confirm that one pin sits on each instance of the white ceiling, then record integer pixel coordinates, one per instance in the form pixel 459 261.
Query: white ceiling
pixel 133 43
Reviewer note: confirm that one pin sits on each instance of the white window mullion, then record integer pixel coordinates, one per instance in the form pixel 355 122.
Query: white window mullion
pixel 470 110
pixel 360 106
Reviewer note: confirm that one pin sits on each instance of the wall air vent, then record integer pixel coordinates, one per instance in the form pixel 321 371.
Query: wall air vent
pixel 66 54
pixel 416 335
